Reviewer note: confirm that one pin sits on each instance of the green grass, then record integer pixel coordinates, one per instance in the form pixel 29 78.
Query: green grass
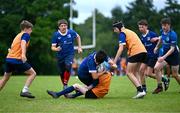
pixel 119 99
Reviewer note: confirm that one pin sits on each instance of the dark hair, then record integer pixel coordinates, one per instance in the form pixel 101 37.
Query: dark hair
pixel 143 22
pixel 166 21
pixel 62 21
pixel 100 56
pixel 118 24
pixel 25 24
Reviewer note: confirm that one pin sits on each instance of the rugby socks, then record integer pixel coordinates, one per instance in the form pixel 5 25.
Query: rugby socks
pixel 139 89
pixel 144 87
pixel 159 85
pixel 76 94
pixel 66 77
pixel 65 91
pixel 25 89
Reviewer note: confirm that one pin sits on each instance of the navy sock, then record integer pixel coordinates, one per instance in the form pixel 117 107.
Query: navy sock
pixel 77 94
pixel 65 91
pixel 139 89
pixel 144 87
pixel 159 85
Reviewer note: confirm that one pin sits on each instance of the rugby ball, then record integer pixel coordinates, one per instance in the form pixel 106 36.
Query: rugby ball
pixel 103 67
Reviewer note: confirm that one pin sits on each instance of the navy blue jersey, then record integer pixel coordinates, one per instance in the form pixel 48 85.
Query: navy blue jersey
pixel 169 39
pixel 88 66
pixel 66 42
pixel 148 44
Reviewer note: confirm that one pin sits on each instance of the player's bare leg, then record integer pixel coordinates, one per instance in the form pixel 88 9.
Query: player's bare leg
pixel 4 80
pixel 132 68
pixel 31 76
pixel 157 69
pixel 142 72
pixel 175 74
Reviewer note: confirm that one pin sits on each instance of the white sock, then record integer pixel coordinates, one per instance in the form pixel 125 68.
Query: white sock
pixel 25 89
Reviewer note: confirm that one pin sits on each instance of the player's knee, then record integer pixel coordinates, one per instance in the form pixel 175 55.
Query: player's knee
pixel 148 73
pixel 68 67
pixel 6 78
pixel 175 74
pixel 129 73
pixel 156 69
pixel 31 72
pixel 34 74
pixel 76 86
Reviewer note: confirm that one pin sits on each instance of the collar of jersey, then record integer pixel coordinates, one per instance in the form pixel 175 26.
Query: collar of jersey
pixel 62 33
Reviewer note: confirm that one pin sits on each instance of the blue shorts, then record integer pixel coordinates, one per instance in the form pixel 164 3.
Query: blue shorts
pixel 85 78
pixel 173 59
pixel 65 63
pixel 10 67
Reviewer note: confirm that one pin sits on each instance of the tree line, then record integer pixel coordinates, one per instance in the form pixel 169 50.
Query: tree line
pixel 44 14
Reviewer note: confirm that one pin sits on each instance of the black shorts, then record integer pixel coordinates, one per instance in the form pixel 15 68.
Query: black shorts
pixel 10 67
pixel 173 59
pixel 90 94
pixel 151 62
pixel 141 57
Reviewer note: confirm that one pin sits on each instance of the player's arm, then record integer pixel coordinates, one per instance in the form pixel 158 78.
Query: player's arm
pixel 119 52
pixel 24 40
pixel 122 42
pixel 78 38
pixel 112 64
pixel 172 48
pixel 157 46
pixel 155 39
pixel 23 47
pixel 54 48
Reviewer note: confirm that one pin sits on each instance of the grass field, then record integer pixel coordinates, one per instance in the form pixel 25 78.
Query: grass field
pixel 119 99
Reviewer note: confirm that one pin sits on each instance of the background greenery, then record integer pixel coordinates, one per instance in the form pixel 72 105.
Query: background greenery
pixel 44 14
pixel 118 100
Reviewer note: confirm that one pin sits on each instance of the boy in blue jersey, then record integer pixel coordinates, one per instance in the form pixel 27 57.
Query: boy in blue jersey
pixel 149 39
pixel 63 44
pixel 16 59
pixel 170 52
pixel 88 74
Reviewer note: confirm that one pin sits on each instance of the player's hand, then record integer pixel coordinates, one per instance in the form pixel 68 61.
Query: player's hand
pixel 58 48
pixel 160 59
pixel 155 39
pixel 155 50
pixel 9 49
pixel 114 66
pixel 24 59
pixel 79 50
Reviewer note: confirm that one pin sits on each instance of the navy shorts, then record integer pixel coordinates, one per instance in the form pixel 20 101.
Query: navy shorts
pixel 65 63
pixel 141 57
pixel 151 62
pixel 10 67
pixel 173 59
pixel 90 94
pixel 85 78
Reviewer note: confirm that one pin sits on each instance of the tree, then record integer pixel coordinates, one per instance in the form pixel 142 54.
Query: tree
pixel 44 14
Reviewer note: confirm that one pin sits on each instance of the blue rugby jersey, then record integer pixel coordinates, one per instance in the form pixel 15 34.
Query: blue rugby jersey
pixel 66 42
pixel 169 39
pixel 146 40
pixel 88 66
